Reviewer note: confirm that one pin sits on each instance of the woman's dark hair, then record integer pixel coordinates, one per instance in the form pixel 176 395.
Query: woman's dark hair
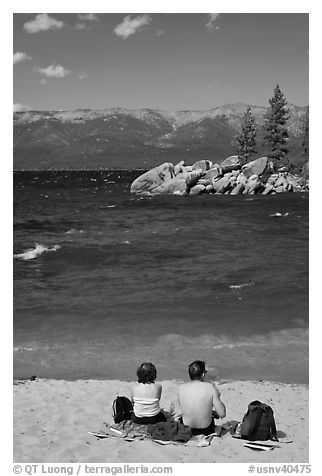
pixel 197 369
pixel 146 373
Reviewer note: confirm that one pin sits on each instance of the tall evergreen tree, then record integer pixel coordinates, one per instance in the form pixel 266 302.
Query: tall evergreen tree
pixel 305 142
pixel 276 135
pixel 246 138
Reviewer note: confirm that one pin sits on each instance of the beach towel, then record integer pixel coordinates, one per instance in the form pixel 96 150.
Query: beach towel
pixel 197 441
pixel 170 431
pixel 130 431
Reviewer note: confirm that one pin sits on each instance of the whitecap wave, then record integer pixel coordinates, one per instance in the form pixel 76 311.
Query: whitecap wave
pixel 241 286
pixel 32 253
pixel 22 349
pixel 278 214
pixel 72 231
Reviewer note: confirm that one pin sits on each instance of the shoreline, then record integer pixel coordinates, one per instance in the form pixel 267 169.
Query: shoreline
pixel 52 419
pixel 224 381
pixel 250 362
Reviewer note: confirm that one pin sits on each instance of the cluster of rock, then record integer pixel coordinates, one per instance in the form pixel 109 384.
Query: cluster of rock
pixel 230 177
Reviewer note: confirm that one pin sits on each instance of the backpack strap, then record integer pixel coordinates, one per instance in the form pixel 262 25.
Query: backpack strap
pixel 272 426
pixel 252 434
pixel 114 406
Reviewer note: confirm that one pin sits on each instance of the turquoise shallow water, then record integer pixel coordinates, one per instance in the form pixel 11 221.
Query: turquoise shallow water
pixel 104 280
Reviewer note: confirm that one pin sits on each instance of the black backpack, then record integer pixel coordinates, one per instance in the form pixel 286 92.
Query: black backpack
pixel 258 423
pixel 122 409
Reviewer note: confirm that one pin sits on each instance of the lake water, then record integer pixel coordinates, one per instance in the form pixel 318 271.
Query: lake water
pixel 104 280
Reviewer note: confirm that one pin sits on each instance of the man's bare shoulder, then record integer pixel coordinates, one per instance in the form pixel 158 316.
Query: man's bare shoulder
pixel 182 387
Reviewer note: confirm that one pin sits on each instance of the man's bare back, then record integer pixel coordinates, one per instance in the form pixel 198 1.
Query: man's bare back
pixel 197 400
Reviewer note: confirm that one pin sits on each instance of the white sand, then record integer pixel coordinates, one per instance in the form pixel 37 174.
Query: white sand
pixel 52 418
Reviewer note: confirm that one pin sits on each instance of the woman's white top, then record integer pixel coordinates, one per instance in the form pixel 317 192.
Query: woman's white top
pixel 146 407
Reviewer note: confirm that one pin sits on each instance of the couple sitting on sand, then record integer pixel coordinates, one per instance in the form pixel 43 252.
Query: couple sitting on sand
pixel 198 400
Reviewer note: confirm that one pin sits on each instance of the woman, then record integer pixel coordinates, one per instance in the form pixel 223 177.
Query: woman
pixel 145 395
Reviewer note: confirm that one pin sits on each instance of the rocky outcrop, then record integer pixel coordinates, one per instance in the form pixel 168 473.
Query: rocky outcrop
pixel 181 184
pixel 257 176
pixel 255 167
pixel 152 179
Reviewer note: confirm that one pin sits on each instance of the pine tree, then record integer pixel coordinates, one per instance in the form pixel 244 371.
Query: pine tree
pixel 276 135
pixel 305 142
pixel 246 138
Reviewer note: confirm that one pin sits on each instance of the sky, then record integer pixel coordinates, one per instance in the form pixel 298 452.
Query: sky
pixel 174 61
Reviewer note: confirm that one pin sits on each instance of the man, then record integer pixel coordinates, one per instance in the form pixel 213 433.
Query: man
pixel 200 401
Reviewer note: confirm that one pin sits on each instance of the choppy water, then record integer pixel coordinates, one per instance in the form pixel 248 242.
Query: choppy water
pixel 104 280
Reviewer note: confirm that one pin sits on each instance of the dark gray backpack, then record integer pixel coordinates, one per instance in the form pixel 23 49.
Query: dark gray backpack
pixel 122 409
pixel 258 423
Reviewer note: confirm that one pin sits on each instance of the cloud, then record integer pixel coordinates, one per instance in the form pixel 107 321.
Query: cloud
pixel 87 16
pixel 19 56
pixel 212 17
pixel 20 108
pixel 53 71
pixel 82 76
pixel 80 26
pixel 159 33
pixel 130 26
pixel 43 22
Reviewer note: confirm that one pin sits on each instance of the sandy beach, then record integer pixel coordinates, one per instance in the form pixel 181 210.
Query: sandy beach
pixel 52 419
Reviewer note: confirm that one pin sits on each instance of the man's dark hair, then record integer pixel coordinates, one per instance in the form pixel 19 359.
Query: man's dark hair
pixel 146 373
pixel 197 369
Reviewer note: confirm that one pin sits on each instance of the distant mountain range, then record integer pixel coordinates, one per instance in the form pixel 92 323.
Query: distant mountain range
pixel 137 139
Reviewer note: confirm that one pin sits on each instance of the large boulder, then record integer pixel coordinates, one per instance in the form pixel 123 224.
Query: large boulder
pixel 202 164
pixel 193 177
pixel 241 178
pixel 210 175
pixel 232 160
pixel 197 189
pixel 179 167
pixel 253 185
pixel 229 168
pixel 279 189
pixel 176 186
pixel 146 183
pixel 223 184
pixel 268 189
pixel 281 182
pixel 238 189
pixel 180 184
pixel 256 167
pixel 272 179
